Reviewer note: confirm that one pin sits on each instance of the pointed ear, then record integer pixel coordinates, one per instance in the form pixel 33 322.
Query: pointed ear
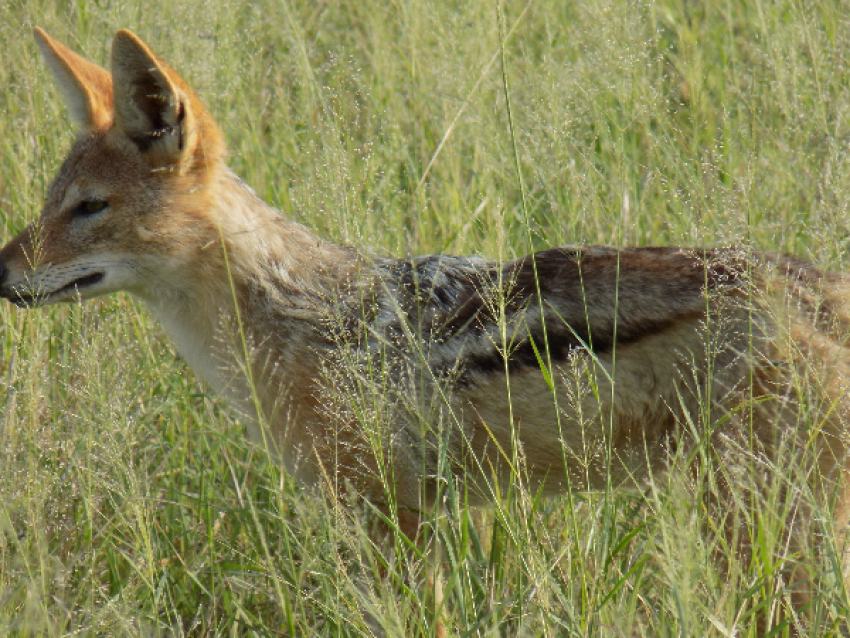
pixel 87 86
pixel 156 109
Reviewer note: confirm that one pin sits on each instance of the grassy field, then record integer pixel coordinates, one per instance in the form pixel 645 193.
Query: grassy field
pixel 130 503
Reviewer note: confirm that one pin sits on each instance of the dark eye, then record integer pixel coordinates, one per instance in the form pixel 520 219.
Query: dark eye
pixel 89 207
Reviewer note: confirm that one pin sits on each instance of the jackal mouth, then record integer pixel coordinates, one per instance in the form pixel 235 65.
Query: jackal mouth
pixel 82 282
pixel 28 300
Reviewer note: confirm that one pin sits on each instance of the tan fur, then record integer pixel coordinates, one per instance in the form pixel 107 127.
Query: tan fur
pixel 636 343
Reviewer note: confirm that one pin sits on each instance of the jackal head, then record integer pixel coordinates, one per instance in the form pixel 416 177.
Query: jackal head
pixel 127 208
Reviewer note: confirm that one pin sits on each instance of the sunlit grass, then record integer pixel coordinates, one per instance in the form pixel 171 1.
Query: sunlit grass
pixel 130 503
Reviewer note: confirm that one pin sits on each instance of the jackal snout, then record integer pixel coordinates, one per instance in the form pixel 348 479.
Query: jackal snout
pixel 8 290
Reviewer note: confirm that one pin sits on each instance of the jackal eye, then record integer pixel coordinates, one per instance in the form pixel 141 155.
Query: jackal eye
pixel 89 207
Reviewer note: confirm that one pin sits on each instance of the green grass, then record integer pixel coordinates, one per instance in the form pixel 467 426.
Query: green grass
pixel 129 502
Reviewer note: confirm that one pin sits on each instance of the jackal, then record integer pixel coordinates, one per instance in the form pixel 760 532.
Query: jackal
pixel 573 368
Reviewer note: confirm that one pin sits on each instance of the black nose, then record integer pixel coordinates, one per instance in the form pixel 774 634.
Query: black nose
pixel 2 272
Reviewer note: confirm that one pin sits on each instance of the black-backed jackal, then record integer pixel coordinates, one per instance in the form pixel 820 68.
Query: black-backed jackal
pixel 574 368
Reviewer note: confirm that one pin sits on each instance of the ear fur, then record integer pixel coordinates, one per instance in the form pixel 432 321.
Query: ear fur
pixel 150 107
pixel 87 87
pixel 157 110
pixel 143 99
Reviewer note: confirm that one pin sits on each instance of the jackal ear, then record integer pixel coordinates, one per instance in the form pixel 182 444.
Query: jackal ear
pixel 87 87
pixel 153 106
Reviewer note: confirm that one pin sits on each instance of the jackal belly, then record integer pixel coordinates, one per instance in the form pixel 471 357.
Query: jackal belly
pixel 593 420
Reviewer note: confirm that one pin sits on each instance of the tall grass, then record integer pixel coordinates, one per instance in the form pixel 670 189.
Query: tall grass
pixel 130 503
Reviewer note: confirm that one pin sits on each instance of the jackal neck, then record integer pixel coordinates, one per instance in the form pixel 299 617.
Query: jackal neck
pixel 256 274
pixel 266 253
